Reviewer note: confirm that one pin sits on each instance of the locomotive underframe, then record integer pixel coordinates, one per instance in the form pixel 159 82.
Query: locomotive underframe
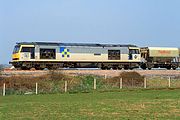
pixel 40 65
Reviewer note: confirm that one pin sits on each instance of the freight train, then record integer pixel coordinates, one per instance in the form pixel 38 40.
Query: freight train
pixel 40 55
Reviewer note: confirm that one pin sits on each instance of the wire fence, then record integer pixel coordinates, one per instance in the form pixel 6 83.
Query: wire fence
pixel 85 84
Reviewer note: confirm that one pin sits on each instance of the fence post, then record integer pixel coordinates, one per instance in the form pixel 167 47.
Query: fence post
pixel 36 88
pixel 169 82
pixel 120 83
pixel 94 83
pixel 4 89
pixel 105 76
pixel 65 86
pixel 145 82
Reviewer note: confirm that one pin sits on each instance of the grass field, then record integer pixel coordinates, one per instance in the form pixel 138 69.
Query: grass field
pixel 124 104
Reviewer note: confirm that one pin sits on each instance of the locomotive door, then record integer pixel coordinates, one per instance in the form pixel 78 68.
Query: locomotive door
pixel 133 54
pixel 28 53
pixel 32 52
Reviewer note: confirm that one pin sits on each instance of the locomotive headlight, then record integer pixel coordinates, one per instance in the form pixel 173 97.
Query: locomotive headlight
pixel 16 56
pixel 135 56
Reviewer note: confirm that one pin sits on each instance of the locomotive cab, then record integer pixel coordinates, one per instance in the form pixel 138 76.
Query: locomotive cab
pixel 27 52
pixel 23 52
pixel 134 53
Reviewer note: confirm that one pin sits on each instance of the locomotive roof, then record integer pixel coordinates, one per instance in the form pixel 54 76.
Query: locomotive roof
pixel 75 44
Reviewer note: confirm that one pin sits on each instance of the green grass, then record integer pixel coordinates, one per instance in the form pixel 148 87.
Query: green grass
pixel 124 104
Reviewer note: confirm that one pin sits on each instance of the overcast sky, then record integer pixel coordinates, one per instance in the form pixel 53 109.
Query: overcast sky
pixel 140 22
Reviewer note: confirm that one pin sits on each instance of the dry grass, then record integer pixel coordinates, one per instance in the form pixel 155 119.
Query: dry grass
pixel 129 79
pixel 54 81
pixel 163 82
pixel 49 83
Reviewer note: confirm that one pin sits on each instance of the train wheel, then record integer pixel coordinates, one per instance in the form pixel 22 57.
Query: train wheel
pixel 24 68
pixel 126 67
pixel 143 66
pixel 131 68
pixel 174 68
pixel 115 68
pixel 168 68
pixel 37 68
pixel 119 68
pixel 149 68
pixel 104 68
pixel 109 68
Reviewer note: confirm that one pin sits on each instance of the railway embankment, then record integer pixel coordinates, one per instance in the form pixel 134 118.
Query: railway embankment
pixel 106 73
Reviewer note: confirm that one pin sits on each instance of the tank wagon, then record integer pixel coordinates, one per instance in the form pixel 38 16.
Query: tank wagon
pixel 40 55
pixel 163 57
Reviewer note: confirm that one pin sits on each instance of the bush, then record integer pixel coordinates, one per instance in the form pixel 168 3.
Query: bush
pixel 132 79
pixel 56 76
pixel 1 67
pixel 53 82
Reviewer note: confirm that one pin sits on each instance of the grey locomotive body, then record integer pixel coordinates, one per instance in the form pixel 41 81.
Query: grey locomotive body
pixel 40 55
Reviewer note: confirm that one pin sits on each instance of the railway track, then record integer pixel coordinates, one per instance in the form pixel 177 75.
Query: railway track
pixel 98 72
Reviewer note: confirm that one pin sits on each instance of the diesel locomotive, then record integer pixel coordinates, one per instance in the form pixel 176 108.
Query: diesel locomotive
pixel 40 55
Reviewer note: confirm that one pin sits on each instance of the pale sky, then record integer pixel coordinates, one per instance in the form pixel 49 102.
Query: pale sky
pixel 139 22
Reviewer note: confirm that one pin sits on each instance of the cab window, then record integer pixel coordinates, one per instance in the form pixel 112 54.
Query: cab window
pixel 25 49
pixel 16 49
pixel 133 51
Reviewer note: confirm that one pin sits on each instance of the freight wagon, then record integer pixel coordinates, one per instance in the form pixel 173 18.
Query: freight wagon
pixel 163 57
pixel 40 55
